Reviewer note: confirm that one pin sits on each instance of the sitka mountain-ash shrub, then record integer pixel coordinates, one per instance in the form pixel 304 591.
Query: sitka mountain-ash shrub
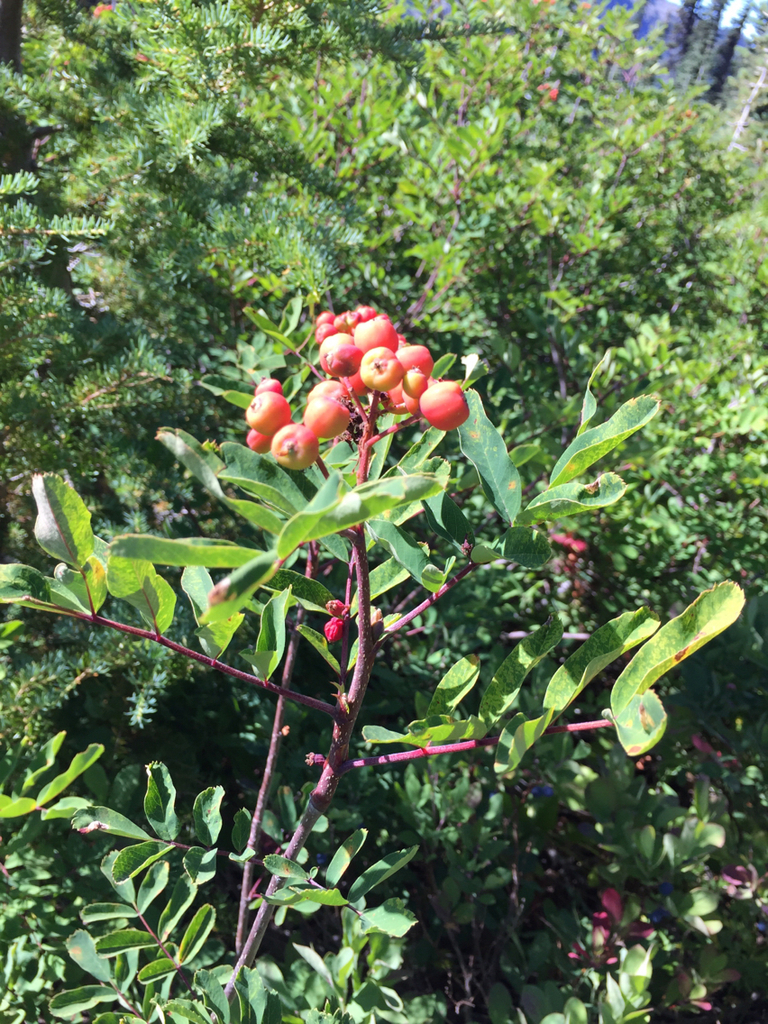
pixel 341 498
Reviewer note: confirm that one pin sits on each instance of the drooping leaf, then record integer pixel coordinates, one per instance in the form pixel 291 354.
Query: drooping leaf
pixel 604 646
pixel 187 1010
pixel 525 546
pixel 454 686
pixel 79 763
pixel 380 872
pixel 392 918
pixel 82 949
pixel 641 724
pixel 201 463
pixel 591 445
pixel 510 675
pixel 485 448
pixel 25 586
pixel 214 994
pixel 153 883
pixel 199 929
pixel 343 856
pixel 570 499
pixel 181 898
pixel 43 760
pixel 230 594
pixel 589 405
pixel 271 638
pixel 241 829
pixel 123 941
pixel 197 584
pixel 207 814
pixel 133 859
pixel 63 524
pixel 262 478
pixel 160 801
pixel 137 583
pixel 320 644
pixel 446 519
pixel 75 1001
pixel 102 819
pixel 711 613
pixel 403 548
pixel 334 508
pixel 215 554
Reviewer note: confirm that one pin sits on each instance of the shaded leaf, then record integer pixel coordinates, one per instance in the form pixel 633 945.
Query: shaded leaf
pixel 75 1001
pixel 215 554
pixel 133 859
pixel 320 644
pixel 105 912
pixel 403 548
pixel 196 934
pixel 102 819
pixel 525 546
pixel 214 639
pixel 309 593
pixel 123 941
pixel 207 814
pixel 271 638
pixel 589 405
pixel 79 763
pixel 283 867
pixel 152 884
pixel 82 949
pixel 446 519
pixel 156 969
pixel 380 872
pixel 183 894
pixel 160 800
pixel 200 864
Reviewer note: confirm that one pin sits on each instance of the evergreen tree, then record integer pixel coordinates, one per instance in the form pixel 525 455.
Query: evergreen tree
pixel 723 60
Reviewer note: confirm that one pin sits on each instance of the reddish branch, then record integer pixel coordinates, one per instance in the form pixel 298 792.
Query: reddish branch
pixel 446 748
pixel 246 677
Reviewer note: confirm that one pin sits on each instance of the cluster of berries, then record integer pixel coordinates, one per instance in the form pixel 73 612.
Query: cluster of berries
pixel 364 352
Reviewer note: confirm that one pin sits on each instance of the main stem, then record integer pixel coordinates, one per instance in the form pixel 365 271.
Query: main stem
pixel 346 717
pixel 269 768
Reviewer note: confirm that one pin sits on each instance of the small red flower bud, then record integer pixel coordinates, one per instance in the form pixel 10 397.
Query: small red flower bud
pixel 336 608
pixel 333 630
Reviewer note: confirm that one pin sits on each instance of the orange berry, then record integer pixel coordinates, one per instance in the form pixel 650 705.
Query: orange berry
pixel 326 317
pixel 444 405
pixel 258 442
pixel 328 389
pixel 326 418
pixel 268 384
pixel 295 446
pixel 267 413
pixel 381 369
pixel 376 333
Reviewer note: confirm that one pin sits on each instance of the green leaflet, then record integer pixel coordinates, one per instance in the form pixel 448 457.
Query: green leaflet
pixel 270 644
pixel 641 724
pixel 197 932
pixel 447 520
pixel 263 478
pixel 137 583
pixel 91 580
pixel 215 554
pixel 711 613
pixel 431 731
pixel 28 588
pixel 518 737
pixel 510 675
pixel 404 549
pixel 160 800
pixel 197 584
pixel 206 814
pixel 380 872
pixel 568 499
pixel 343 856
pixel 79 763
pixel 607 644
pixel 333 510
pixel 231 593
pixel 454 686
pixel 320 644
pixel 591 445
pixel 485 448
pixel 63 524
pixel 308 592
pixel 589 405
pixel 133 859
pixel 392 918
pixel 525 546
pixel 82 949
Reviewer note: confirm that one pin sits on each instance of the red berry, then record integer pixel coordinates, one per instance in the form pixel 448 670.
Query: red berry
pixel 366 313
pixel 326 418
pixel 415 383
pixel 416 357
pixel 326 317
pixel 343 360
pixel 333 630
pixel 324 331
pixel 268 412
pixel 268 384
pixel 258 442
pixel 328 389
pixel 444 405
pixel 381 369
pixel 295 446
pixel 376 333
